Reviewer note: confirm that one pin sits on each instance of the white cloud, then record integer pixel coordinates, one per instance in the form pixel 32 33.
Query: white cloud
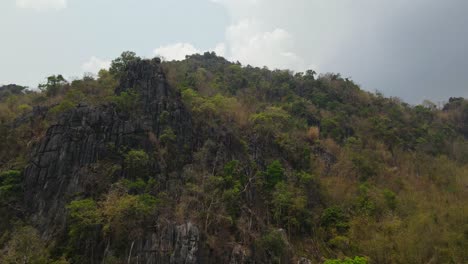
pixel 94 65
pixel 176 51
pixel 249 43
pixel 253 39
pixel 220 49
pixel 247 40
pixel 42 4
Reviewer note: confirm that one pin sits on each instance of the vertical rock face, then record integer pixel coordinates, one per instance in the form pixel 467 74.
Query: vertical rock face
pixel 60 164
pixel 82 136
pixel 53 175
pixel 186 244
pixel 170 243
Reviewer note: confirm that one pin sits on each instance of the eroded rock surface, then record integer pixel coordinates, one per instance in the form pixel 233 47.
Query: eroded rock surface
pixel 61 165
pixel 83 135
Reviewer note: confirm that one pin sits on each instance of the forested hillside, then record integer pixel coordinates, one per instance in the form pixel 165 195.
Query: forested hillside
pixel 208 161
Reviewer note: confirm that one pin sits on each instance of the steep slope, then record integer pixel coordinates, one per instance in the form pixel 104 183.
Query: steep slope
pixel 206 161
pixel 61 167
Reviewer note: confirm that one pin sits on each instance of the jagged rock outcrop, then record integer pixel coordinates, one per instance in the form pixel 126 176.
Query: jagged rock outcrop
pixel 61 164
pixel 168 243
pixel 83 135
pixel 37 113
pixel 186 244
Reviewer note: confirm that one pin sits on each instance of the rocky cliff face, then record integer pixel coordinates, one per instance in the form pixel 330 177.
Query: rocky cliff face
pixel 58 170
pixel 170 243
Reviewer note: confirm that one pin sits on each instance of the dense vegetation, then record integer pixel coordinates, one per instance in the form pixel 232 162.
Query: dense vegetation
pixel 314 168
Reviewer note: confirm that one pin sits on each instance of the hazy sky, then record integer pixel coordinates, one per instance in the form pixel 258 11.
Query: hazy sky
pixel 413 49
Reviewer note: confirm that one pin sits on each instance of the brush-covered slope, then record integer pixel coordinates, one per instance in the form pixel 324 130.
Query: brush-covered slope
pixel 207 161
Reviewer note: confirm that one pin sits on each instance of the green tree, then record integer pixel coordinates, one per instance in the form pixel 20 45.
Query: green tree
pixel 125 215
pixel 119 65
pixel 390 199
pixel 25 246
pixel 127 102
pixel 53 85
pixel 272 246
pixel 84 227
pixel 271 122
pixel 168 137
pixel 10 186
pixel 290 207
pixel 335 220
pixel 84 217
pixel 136 163
pixel 274 174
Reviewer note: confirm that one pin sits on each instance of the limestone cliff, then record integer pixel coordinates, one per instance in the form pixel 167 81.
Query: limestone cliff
pixel 58 169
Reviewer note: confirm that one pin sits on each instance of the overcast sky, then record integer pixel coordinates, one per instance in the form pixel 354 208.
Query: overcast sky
pixel 413 49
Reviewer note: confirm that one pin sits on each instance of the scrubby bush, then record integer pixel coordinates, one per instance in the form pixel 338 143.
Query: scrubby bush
pixel 25 246
pixel 136 163
pixel 273 246
pixel 355 260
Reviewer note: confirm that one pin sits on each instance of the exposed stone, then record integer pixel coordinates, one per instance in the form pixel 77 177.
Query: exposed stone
pixel 304 261
pixel 186 246
pixel 82 136
pixel 168 243
pixel 61 166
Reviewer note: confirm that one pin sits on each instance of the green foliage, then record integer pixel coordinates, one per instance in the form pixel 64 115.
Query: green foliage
pixel 274 174
pixel 229 187
pixel 11 198
pixel 234 181
pixel 355 260
pixel 211 110
pixel 53 85
pixel 273 246
pixel 168 137
pixel 339 243
pixel 25 246
pixel 330 127
pixel 11 89
pixel 136 186
pixel 62 107
pixel 271 122
pixel 24 108
pixel 85 220
pixel 232 199
pixel 61 260
pixel 10 186
pixel 121 216
pixel 362 146
pixel 390 199
pixel 136 163
pixel 335 220
pixel 365 165
pixel 290 207
pixel 127 102
pixel 124 214
pixel 365 204
pixel 120 64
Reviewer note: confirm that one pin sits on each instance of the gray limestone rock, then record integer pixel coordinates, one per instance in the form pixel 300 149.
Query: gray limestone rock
pixel 82 137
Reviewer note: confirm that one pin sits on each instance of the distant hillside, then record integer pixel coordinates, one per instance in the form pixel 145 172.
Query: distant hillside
pixel 208 161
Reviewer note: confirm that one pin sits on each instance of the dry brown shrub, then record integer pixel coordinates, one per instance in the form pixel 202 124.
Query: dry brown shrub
pixel 331 146
pixel 153 138
pixel 313 134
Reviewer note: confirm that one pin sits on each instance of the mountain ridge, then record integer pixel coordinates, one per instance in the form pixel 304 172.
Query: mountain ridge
pixel 205 161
